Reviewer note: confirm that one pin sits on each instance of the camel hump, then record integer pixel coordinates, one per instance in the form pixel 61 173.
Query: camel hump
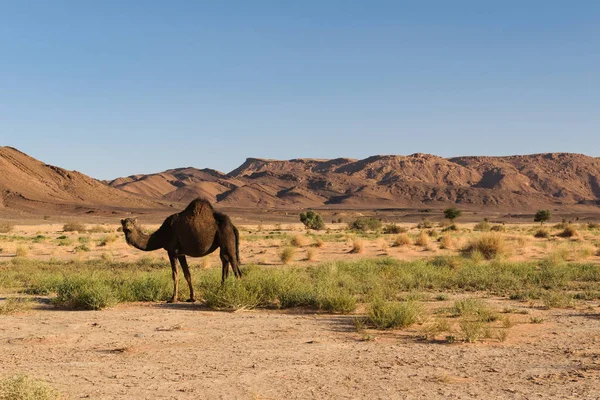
pixel 199 207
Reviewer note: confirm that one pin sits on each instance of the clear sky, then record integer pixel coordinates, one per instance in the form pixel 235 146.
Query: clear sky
pixel 116 87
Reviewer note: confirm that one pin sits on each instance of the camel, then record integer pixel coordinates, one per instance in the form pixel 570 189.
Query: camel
pixel 196 231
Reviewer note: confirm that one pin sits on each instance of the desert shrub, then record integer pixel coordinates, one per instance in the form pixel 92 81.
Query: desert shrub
pixel 231 296
pixel 425 224
pixel 452 213
pixel 312 220
pixel 498 228
pixel 298 240
pixel 422 240
pixel 490 246
pixel 82 248
pixel 446 242
pixel 483 226
pixel 473 307
pixel 568 232
pixel 21 387
pixel 310 254
pixel 358 246
pixel 389 315
pixel 393 229
pixel 365 224
pixel 542 216
pixel 74 227
pixel 557 299
pixel 319 242
pixel 472 330
pixel 21 251
pixel 286 254
pixel 145 288
pixel 104 241
pixel 85 292
pixel 14 304
pixel 542 233
pixel 450 227
pixel 402 240
pixel 336 300
pixel 593 225
pixel 6 227
pixel 99 229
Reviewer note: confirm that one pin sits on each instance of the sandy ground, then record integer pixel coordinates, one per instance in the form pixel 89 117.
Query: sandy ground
pixel 181 351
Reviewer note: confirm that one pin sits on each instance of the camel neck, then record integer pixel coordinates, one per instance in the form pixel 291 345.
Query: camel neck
pixel 144 241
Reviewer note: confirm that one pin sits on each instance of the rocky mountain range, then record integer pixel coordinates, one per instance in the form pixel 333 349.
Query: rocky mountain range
pixel 524 183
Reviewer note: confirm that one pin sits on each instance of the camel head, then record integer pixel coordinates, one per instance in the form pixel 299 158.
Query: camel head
pixel 129 225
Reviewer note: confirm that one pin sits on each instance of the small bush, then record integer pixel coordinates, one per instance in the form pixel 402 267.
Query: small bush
pixel 452 227
pixel 552 299
pixel 319 243
pixel 99 229
pixel 568 232
pixel 422 240
pixel 425 224
pixel 542 233
pixel 393 229
pixel 446 242
pixel 106 240
pixel 472 330
pixel 389 315
pixel 365 224
pixel 82 248
pixel 490 245
pixel 6 227
pixel 358 246
pixel 310 254
pixel 312 220
pixel 74 227
pixel 298 240
pixel 21 387
pixel 542 216
pixel 231 296
pixel 402 240
pixel 21 251
pixel 452 213
pixel 286 254
pixel 483 226
pixel 86 293
pixel 13 305
pixel 498 228
pixel 337 301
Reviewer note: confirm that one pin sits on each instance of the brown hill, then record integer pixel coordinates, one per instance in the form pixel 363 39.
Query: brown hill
pixel 27 184
pixel 523 182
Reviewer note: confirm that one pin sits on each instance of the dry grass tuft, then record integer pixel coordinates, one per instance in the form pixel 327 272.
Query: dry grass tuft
pixel 286 254
pixel 489 245
pixel 22 387
pixel 447 242
pixel 542 233
pixel 6 227
pixel 569 232
pixel 21 251
pixel 422 240
pixel 74 227
pixel 298 240
pixel 358 246
pixel 319 243
pixel 310 254
pixel 402 240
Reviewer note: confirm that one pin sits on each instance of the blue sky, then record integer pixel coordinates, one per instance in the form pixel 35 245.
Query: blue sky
pixel 116 87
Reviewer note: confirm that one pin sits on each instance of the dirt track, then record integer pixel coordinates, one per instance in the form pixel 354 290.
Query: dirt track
pixel 157 351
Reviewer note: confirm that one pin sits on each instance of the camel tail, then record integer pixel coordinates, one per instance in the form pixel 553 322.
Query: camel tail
pixel 237 244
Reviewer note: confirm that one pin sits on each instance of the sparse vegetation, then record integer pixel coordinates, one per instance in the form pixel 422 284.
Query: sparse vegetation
pixel 422 240
pixel 22 387
pixel 542 233
pixel 542 216
pixel 402 240
pixel 393 229
pixel 390 315
pixel 6 227
pixel 74 227
pixel 358 246
pixel 312 220
pixel 489 245
pixel 365 224
pixel 286 254
pixel 483 226
pixel 452 213
pixel 568 232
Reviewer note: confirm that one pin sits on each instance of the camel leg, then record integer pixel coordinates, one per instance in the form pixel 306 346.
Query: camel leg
pixel 188 277
pixel 225 269
pixel 234 264
pixel 173 260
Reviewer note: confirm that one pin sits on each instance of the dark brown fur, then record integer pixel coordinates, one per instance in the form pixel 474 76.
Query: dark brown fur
pixel 196 231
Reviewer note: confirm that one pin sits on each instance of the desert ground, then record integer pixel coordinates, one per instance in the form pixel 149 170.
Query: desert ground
pixel 535 342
